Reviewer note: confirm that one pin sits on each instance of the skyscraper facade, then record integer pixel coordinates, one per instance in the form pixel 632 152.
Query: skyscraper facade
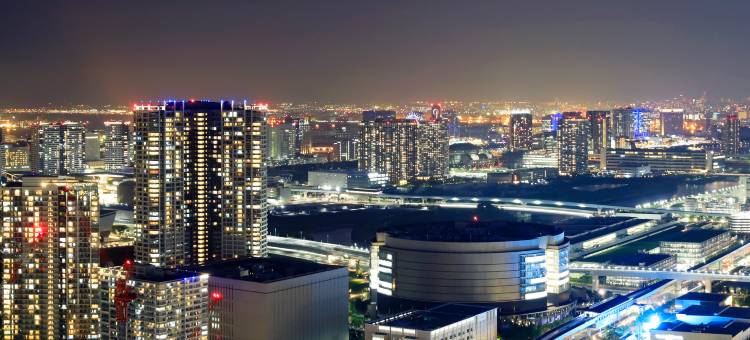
pixel 116 145
pixel 731 135
pixel 598 121
pixel 405 150
pixel 672 121
pixel 200 182
pixel 58 148
pixel 50 241
pixel 520 130
pixel 573 135
pixel 161 304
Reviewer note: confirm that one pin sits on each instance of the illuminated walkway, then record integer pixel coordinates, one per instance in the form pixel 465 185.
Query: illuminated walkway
pixel 685 275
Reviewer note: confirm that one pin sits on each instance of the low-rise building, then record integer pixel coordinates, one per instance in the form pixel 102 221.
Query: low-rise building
pixel 674 160
pixel 696 245
pixel 713 331
pixel 277 298
pixel 449 321
pixel 702 299
pixel 337 179
pixel 739 223
pixel 644 260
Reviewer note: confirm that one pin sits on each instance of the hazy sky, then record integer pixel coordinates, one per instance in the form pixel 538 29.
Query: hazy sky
pixel 103 52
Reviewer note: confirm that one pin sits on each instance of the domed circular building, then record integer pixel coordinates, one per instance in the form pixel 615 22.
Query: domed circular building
pixel 517 266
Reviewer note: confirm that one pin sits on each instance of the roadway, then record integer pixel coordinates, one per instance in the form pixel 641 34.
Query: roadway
pixel 509 203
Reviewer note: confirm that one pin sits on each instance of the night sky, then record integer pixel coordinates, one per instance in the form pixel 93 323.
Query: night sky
pixel 102 52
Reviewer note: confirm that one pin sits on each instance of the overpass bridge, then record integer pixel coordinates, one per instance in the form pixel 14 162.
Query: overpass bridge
pixel 310 195
pixel 671 274
pixel 353 257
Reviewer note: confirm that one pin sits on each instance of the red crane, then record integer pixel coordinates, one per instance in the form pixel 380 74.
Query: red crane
pixel 123 294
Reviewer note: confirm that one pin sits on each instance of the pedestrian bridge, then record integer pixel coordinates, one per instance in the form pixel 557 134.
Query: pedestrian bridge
pixel 647 273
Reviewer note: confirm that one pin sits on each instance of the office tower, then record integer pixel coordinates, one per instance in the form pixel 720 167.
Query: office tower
pixel 93 147
pixel 50 241
pixel 58 148
pixel 731 135
pixel 454 125
pixel 302 140
pixel 116 145
pixel 16 156
pixel 153 303
pixel 403 149
pixel 3 150
pixel 520 130
pixel 281 141
pixel 200 182
pixel 672 121
pixel 598 121
pixel 345 150
pixel 573 135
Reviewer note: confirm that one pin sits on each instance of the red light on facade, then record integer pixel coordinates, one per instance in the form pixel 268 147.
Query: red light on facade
pixel 40 230
pixel 217 296
pixel 475 218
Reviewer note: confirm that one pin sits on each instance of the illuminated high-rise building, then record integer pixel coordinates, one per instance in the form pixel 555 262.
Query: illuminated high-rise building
pixel 405 150
pixel 50 241
pixel 598 121
pixel 730 141
pixel 16 156
pixel 672 121
pixel 147 302
pixel 116 145
pixel 58 149
pixel 573 135
pixel 200 182
pixel 520 130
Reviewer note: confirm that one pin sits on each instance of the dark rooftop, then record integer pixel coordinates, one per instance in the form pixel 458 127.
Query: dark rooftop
pixel 607 304
pixel 264 270
pixel 629 259
pixel 693 235
pixel 722 311
pixel 440 316
pixel 156 274
pixel 731 328
pixel 495 231
pixel 698 296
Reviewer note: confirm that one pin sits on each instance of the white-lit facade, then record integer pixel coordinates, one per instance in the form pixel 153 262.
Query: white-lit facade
pixel 50 240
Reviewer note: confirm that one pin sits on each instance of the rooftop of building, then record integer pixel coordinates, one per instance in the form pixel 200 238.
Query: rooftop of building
pixel 434 318
pixel 606 226
pixel 264 270
pixel 628 259
pixel 714 310
pixel 194 104
pixel 730 328
pixel 693 235
pixel 699 296
pixel 607 304
pixel 461 231
pixel 157 274
pixel 339 171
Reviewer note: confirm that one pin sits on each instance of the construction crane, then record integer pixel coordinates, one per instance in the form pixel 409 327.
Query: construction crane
pixel 123 294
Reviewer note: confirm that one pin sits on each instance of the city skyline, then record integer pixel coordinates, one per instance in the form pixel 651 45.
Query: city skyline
pixel 342 52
